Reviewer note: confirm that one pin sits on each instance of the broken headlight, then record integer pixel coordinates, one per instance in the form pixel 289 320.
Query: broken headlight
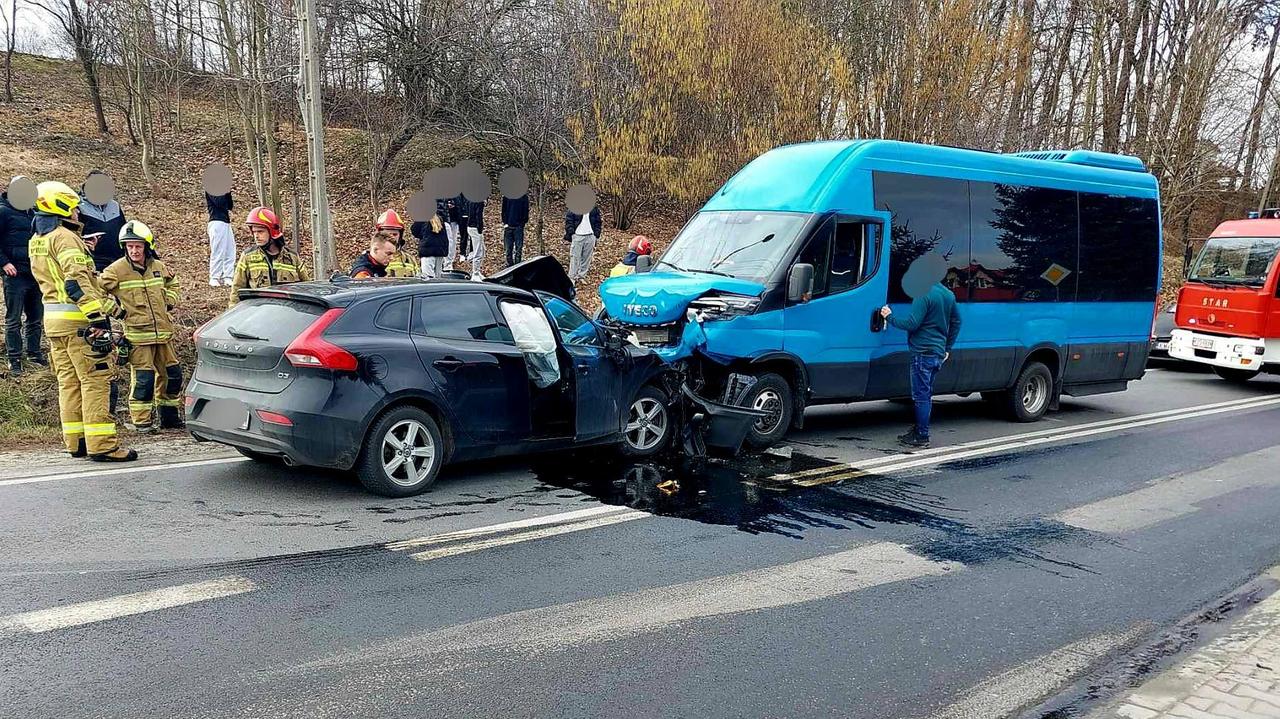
pixel 723 307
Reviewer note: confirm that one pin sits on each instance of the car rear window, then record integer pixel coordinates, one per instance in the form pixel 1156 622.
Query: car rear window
pixel 276 321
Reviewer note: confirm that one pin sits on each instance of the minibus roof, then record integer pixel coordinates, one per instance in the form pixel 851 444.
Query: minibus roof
pixel 826 176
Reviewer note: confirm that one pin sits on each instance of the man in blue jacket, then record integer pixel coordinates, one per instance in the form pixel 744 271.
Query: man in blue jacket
pixel 21 293
pixel 932 328
pixel 515 215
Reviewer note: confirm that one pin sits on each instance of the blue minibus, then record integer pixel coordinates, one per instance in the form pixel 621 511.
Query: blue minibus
pixel 1054 258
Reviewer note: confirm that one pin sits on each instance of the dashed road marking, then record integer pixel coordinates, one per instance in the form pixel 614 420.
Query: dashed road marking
pixel 75 615
pixel 450 550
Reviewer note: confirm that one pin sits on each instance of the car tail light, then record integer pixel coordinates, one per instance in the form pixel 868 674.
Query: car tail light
pixel 310 349
pixel 195 336
pixel 274 418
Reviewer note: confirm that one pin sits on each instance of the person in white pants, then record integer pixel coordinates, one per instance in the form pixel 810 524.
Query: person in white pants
pixel 433 242
pixel 581 232
pixel 222 240
pixel 473 214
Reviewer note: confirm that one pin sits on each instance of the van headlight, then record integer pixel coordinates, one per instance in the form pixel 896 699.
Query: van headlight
pixel 723 307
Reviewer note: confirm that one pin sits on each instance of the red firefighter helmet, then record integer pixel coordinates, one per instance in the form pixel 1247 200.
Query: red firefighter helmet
pixel 641 245
pixel 390 220
pixel 264 217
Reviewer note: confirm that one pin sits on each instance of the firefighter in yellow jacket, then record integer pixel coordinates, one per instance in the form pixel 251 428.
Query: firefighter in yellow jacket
pixel 147 292
pixel 269 263
pixel 76 321
pixel 404 263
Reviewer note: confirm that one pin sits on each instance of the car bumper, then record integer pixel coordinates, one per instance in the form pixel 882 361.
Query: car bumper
pixel 1159 347
pixel 1231 352
pixel 230 417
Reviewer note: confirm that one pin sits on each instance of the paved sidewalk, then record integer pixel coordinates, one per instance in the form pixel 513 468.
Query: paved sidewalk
pixel 1236 676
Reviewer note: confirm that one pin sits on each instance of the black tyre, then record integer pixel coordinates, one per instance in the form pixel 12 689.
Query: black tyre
pixel 402 453
pixel 772 394
pixel 1031 394
pixel 649 427
pixel 259 456
pixel 1235 376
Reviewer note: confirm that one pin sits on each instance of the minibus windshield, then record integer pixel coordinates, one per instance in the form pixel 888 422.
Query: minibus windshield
pixel 1235 260
pixel 747 245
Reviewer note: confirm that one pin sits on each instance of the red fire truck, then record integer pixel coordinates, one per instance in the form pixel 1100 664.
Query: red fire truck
pixel 1229 309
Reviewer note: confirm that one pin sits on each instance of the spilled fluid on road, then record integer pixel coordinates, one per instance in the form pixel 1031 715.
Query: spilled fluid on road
pixel 747 493
pixel 744 493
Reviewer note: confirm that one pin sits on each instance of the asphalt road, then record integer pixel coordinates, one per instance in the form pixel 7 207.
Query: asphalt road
pixel 976 579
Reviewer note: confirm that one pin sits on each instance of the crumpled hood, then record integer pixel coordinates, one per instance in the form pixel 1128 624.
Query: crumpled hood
pixel 655 298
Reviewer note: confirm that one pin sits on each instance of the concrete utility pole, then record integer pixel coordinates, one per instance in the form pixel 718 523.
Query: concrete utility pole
pixel 312 103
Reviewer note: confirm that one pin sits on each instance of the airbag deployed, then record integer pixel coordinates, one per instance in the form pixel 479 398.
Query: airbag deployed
pixel 536 339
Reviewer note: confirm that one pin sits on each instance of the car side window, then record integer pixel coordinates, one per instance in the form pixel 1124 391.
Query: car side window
pixel 393 316
pixel 853 250
pixel 575 327
pixel 463 316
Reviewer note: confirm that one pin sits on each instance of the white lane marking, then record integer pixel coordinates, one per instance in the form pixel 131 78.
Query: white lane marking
pixel 1004 694
pixel 856 470
pixel 1175 496
pixel 526 536
pixel 647 610
pixel 131 469
pixel 74 615
pixel 877 461
pixel 561 518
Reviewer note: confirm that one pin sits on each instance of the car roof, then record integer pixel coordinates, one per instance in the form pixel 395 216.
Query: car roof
pixel 343 292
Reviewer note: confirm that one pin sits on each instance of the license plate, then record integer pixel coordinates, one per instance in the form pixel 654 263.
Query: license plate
pixel 651 337
pixel 1162 345
pixel 1202 343
pixel 225 414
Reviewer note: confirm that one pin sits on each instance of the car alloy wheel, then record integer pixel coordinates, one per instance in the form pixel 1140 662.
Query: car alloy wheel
pixel 408 453
pixel 646 424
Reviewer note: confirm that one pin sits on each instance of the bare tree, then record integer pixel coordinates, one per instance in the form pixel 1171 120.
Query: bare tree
pixel 79 29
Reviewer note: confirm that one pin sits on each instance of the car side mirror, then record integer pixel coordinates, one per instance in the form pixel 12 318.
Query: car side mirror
pixel 644 263
pixel 800 283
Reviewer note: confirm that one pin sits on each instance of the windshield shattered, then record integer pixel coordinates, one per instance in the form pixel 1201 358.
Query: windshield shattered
pixel 1235 260
pixel 743 244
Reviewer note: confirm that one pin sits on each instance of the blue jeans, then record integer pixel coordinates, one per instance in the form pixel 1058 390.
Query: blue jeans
pixel 924 368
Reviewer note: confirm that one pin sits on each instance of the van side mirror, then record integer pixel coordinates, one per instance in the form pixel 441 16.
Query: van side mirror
pixel 644 263
pixel 800 283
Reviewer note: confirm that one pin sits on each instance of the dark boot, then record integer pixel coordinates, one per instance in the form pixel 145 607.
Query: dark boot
pixel 15 368
pixel 911 439
pixel 81 450
pixel 171 418
pixel 119 454
pixel 37 358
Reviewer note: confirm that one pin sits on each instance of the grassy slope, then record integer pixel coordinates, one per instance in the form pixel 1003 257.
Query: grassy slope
pixel 49 133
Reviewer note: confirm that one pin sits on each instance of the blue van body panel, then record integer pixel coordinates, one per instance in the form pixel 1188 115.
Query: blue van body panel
pixel 1096 343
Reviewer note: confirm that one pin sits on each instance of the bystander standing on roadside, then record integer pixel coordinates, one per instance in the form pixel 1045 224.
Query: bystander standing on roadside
pixel 21 293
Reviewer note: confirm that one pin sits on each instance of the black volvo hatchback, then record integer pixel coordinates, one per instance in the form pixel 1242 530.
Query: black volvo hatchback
pixel 395 378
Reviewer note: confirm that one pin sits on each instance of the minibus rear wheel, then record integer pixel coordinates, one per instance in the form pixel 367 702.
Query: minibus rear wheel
pixel 1031 394
pixel 773 395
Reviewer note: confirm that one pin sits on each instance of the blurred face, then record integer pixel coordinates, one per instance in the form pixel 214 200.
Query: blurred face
pixel 261 235
pixel 137 251
pixel 381 250
pixel 390 235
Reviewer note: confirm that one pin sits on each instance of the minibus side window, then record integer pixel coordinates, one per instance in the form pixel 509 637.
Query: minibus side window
pixel 816 253
pixel 847 253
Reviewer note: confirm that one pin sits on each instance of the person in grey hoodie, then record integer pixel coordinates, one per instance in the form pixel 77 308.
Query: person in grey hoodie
pixel 106 219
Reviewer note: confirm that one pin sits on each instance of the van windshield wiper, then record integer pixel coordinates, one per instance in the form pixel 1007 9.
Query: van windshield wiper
pixel 244 335
pixel 678 268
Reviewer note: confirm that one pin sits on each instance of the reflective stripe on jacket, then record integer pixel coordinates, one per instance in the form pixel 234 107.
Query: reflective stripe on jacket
pixel 69 288
pixel 403 264
pixel 145 295
pixel 258 269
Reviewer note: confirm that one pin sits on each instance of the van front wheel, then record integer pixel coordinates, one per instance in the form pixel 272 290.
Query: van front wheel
pixel 772 395
pixel 1031 394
